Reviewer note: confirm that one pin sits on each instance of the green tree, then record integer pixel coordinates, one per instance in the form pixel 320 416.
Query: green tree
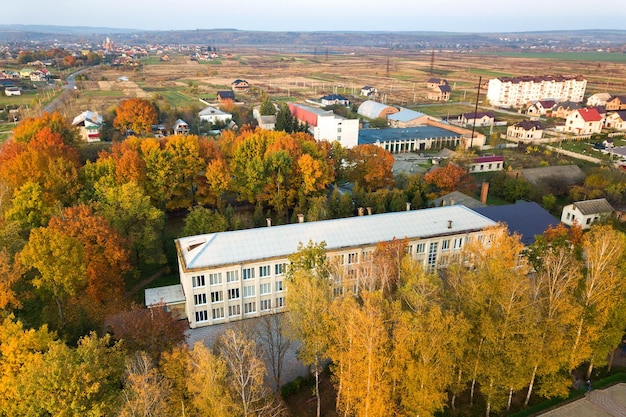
pixel 267 108
pixel 201 220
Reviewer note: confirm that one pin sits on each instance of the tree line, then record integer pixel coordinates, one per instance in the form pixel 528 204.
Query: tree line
pixel 498 320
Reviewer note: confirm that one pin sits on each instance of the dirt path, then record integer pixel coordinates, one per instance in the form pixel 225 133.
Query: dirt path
pixel 142 284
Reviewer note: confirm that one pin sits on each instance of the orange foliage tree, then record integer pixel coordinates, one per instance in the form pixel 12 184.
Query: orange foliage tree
pixel 28 128
pixel 370 166
pixel 450 178
pixel 136 115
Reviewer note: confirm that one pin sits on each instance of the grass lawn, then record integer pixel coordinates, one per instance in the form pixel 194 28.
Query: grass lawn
pixel 174 95
pixel 566 56
pixel 26 99
pixel 102 93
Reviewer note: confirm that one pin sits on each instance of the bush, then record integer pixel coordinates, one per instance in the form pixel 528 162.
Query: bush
pixel 292 387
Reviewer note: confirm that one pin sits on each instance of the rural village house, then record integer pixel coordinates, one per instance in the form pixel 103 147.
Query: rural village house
pixel 240 85
pixel 586 212
pixel 616 103
pixel 584 121
pixel 89 124
pixel 616 120
pixel 526 129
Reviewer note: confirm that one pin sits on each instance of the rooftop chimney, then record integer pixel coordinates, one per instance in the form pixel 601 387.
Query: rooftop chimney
pixel 300 218
pixel 269 222
pixel 408 206
pixel 449 224
pixel 369 211
pixel 360 211
pixel 483 192
pixel 452 201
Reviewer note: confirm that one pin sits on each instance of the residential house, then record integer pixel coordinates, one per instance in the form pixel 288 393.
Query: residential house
pixel 225 96
pixel 598 99
pixel 486 164
pixel 478 118
pixel 439 93
pixel 526 129
pixel 181 127
pixel 240 85
pixel 407 118
pixel 374 110
pixel 159 130
pixel 433 83
pixel 369 91
pixel 541 108
pixel 39 75
pixel 616 120
pixel 230 276
pixel 616 103
pixel 25 72
pixel 331 99
pixel 89 124
pixel 584 213
pixel 564 109
pixel 584 122
pixel 267 122
pixel 213 115
pixel 326 125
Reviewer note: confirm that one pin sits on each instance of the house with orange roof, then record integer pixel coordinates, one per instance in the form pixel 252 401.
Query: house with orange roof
pixel 584 121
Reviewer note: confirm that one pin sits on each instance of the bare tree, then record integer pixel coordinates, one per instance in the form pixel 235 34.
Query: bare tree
pixel 270 334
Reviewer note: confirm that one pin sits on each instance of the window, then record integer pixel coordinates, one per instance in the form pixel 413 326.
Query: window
pixel 340 259
pixel 266 305
pixel 445 245
pixel 233 293
pixel 218 313
pixel 248 291
pixel 421 248
pixel 280 302
pixel 199 299
pixel 202 315
pixel 248 273
pixel 217 296
pixel 265 288
pixel 234 310
pixel 232 276
pixel 249 307
pixel 365 256
pixel 279 269
pixel 409 249
pixel 458 242
pixel 264 271
pixel 198 281
pixel 432 256
pixel 589 220
pixel 353 258
pixel 215 279
pixel 279 286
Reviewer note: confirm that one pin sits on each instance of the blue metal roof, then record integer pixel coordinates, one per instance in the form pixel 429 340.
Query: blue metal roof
pixel 390 135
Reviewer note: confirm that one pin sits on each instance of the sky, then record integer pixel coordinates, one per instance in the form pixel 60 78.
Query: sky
pixel 321 15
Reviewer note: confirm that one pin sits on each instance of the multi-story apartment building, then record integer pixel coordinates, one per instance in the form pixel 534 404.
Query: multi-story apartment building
pixel 519 91
pixel 230 276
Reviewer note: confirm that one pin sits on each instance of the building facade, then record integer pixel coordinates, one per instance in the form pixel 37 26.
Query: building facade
pixel 510 92
pixel 231 276
pixel 326 125
pixel 584 213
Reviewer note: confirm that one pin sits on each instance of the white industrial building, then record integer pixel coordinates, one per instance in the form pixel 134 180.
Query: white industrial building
pixel 230 276
pixel 326 125
pixel 510 92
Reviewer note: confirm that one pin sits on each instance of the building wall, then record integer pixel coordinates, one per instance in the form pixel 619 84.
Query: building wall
pixel 235 292
pixel 485 166
pixel 571 215
pixel 516 94
pixel 521 133
pixel 332 128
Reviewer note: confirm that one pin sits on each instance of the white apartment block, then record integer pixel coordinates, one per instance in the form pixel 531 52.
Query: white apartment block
pixel 231 276
pixel 510 92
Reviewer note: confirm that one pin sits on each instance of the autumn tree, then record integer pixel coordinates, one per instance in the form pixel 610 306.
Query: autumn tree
pixel 308 301
pixel 136 115
pixel 449 178
pixel 153 330
pixel 272 341
pixel 145 389
pixel 201 220
pixel 371 166
pixel 27 129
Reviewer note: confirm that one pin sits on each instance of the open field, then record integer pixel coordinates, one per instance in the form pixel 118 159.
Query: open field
pixel 400 76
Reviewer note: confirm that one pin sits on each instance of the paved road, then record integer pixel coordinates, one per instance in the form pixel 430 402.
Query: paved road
pixel 71 83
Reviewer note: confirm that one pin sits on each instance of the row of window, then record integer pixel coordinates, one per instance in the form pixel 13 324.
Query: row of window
pixel 235 310
pixel 233 293
pixel 233 276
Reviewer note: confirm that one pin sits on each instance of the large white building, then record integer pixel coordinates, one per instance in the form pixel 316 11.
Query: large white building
pixel 230 276
pixel 518 91
pixel 326 125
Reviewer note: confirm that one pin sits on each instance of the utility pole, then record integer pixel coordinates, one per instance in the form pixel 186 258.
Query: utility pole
pixel 387 67
pixel 480 79
pixel 432 64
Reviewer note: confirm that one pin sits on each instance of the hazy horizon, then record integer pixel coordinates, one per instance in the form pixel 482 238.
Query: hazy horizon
pixel 478 16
